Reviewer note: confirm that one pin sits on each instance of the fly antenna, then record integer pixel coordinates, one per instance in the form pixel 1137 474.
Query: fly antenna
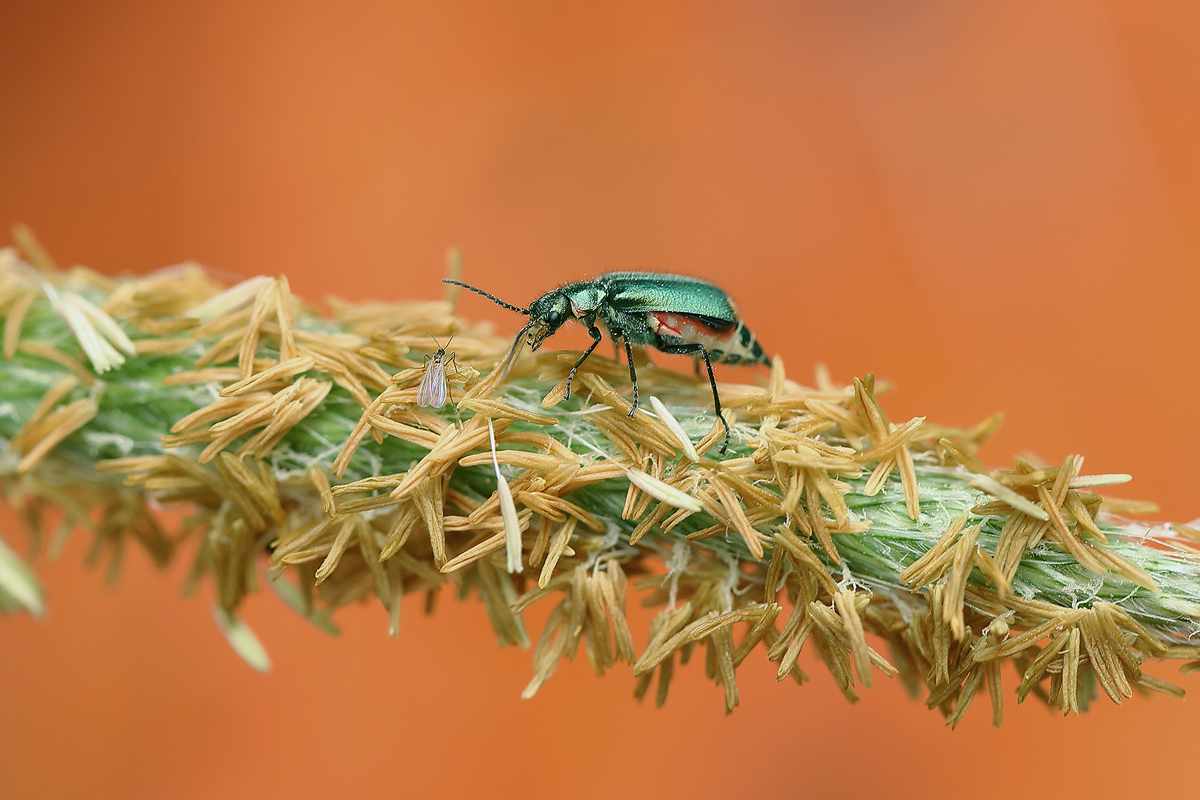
pixel 491 297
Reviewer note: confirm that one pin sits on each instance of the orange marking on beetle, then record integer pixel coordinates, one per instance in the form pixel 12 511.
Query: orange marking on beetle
pixel 688 328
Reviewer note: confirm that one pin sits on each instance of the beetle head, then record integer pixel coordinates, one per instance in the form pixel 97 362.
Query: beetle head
pixel 551 310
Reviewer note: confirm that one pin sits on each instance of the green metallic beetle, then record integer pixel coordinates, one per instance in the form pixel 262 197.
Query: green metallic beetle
pixel 672 313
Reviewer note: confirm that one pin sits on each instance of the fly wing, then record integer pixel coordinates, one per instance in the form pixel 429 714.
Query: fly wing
pixel 651 291
pixel 433 388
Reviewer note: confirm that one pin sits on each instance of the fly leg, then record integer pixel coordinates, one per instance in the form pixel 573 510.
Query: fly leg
pixel 690 349
pixel 594 332
pixel 449 391
pixel 632 376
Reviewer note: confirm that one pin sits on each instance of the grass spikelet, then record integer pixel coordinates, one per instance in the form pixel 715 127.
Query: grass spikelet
pixel 242 640
pixel 100 338
pixel 985 483
pixel 508 511
pixel 673 425
pixel 659 489
pixel 18 583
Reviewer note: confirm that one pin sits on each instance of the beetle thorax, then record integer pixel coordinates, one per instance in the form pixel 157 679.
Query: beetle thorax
pixel 584 299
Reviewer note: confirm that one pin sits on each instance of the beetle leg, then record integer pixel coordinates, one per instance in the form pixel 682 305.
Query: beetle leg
pixel 690 349
pixel 594 332
pixel 632 376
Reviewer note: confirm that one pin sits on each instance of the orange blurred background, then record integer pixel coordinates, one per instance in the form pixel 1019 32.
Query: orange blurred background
pixel 995 206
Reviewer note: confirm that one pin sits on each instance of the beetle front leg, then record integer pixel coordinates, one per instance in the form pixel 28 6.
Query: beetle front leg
pixel 594 332
pixel 691 349
pixel 632 376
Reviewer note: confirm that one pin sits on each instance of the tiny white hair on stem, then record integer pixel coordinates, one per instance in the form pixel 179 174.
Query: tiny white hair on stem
pixel 508 511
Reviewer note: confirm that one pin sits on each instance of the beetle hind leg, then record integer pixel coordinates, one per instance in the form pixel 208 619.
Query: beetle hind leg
pixel 693 348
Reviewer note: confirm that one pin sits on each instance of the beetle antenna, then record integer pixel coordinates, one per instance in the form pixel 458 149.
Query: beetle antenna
pixel 491 297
